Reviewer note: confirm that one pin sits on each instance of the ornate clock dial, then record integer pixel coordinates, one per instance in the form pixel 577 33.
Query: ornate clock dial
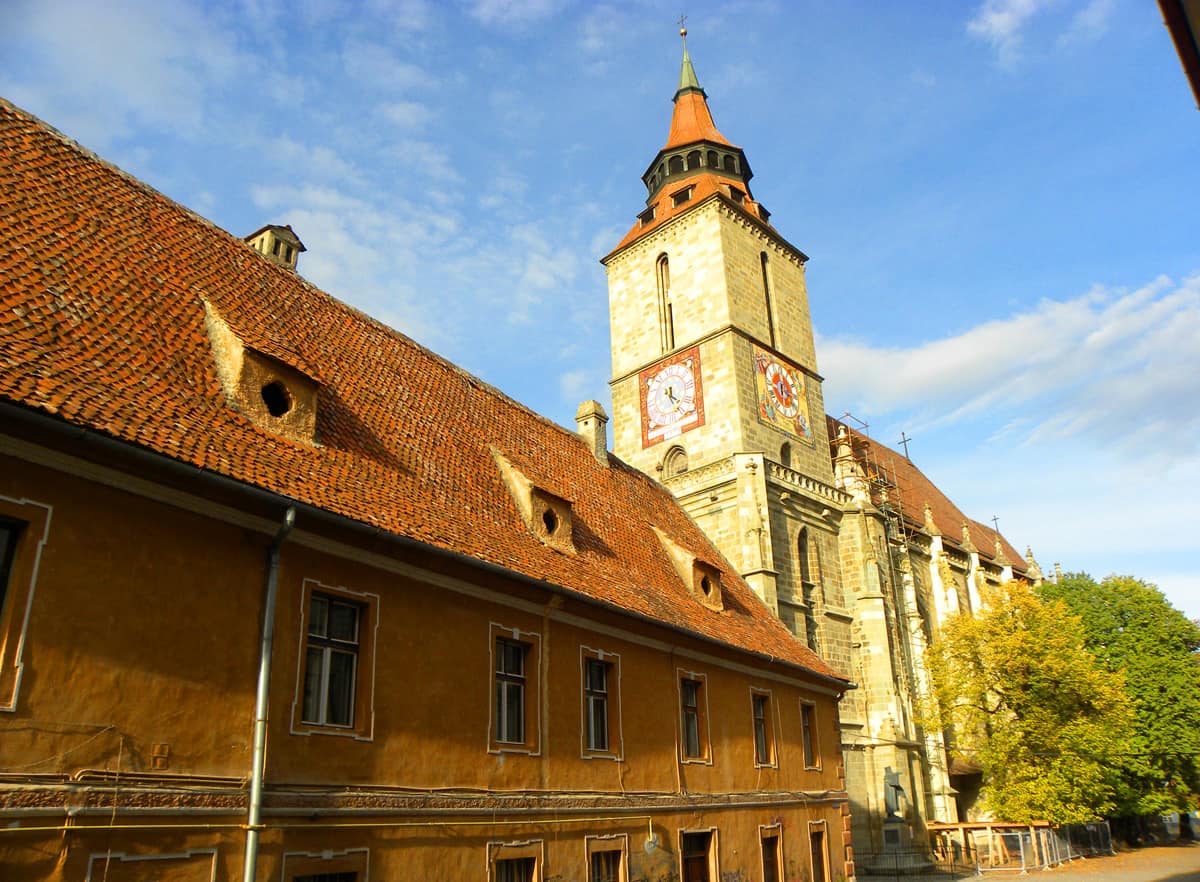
pixel 782 389
pixel 672 402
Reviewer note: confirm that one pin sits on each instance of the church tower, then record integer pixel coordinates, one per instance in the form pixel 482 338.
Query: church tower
pixel 715 385
pixel 716 394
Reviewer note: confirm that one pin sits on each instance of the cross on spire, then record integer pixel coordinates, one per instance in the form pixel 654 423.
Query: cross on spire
pixel 996 523
pixel 904 439
pixel 683 25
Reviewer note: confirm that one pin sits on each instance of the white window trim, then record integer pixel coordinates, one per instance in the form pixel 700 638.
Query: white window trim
pixel 775 830
pixel 102 859
pixel 285 876
pixel 534 639
pixel 10 705
pixel 824 828
pixel 714 850
pixel 594 843
pixel 772 725
pixel 371 607
pixel 706 759
pixel 616 751
pixel 524 847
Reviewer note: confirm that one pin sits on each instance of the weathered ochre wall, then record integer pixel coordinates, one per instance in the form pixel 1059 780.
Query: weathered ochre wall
pixel 142 640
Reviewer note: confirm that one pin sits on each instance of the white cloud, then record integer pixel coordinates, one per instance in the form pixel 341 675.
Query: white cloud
pixel 1001 22
pixel 513 13
pixel 377 67
pixel 101 69
pixel 314 160
pixel 1116 366
pixel 1090 23
pixel 411 115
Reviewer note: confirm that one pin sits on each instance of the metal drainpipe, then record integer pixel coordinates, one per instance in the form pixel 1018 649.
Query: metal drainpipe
pixel 258 760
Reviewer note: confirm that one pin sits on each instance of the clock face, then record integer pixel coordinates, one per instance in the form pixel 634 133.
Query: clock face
pixel 672 402
pixel 782 400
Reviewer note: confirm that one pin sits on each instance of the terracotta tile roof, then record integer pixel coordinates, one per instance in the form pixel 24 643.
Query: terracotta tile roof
pixel 704 185
pixel 692 121
pixel 102 323
pixel 912 490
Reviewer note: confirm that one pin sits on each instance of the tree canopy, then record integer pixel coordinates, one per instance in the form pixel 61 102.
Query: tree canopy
pixel 1026 701
pixel 1132 629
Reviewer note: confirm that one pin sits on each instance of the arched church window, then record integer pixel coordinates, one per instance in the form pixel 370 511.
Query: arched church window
pixel 675 164
pixel 693 160
pixel 712 161
pixel 666 315
pixel 675 462
pixel 730 164
pixel 785 455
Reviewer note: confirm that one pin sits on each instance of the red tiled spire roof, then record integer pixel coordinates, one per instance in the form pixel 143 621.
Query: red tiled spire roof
pixel 103 291
pixel 692 120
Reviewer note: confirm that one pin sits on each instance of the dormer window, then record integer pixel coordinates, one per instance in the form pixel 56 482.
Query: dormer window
pixel 547 515
pixel 274 395
pixel 681 196
pixel 702 579
pixel 737 195
pixel 647 216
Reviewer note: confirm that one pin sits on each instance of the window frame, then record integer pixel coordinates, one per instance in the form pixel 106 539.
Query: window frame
pixel 810 743
pixel 618 842
pixel 328 646
pixel 298 864
pixel 531 696
pixel 774 832
pixel 521 850
pixel 362 725
pixel 704 739
pixel 771 761
pixel 820 828
pixel 31 520
pixel 713 855
pixel 616 740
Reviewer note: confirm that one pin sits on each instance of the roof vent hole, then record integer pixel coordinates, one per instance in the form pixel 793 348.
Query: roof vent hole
pixel 275 396
pixel 550 520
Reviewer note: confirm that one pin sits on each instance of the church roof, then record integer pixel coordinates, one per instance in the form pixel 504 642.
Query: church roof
pixel 909 488
pixel 104 285
pixel 692 120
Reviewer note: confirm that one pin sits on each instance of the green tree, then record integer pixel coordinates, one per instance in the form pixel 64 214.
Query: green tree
pixel 1028 703
pixel 1132 628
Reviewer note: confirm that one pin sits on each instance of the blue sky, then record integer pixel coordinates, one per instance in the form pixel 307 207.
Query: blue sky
pixel 999 199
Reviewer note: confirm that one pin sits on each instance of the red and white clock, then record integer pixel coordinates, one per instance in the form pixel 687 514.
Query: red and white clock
pixel 672 397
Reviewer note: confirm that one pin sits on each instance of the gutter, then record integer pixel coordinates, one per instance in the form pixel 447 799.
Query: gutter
pixel 12 414
pixel 267 642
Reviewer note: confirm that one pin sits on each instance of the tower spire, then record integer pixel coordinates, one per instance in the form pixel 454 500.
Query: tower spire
pixel 687 74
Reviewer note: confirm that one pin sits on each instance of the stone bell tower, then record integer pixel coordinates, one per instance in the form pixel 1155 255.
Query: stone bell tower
pixel 715 384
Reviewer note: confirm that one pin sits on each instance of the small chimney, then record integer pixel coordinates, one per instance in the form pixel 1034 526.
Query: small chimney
pixel 592 421
pixel 277 244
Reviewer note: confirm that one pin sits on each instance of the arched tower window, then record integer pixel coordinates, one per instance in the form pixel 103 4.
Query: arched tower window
pixel 693 160
pixel 730 164
pixel 785 455
pixel 675 165
pixel 675 462
pixel 666 313
pixel 807 589
pixel 712 160
pixel 766 286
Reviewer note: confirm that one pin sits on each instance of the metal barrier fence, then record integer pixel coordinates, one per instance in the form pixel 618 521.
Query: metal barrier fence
pixel 914 864
pixel 998 846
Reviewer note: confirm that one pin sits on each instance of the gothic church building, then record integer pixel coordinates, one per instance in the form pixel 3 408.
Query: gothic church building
pixel 716 393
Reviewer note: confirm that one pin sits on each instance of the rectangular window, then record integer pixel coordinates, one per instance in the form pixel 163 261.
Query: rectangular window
pixel 331 661
pixel 692 693
pixel 808 715
pixel 515 862
pixel 771 856
pixel 596 675
pixel 695 853
pixel 510 690
pixel 816 839
pixel 9 531
pixel 764 741
pixel 515 869
pixel 605 867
